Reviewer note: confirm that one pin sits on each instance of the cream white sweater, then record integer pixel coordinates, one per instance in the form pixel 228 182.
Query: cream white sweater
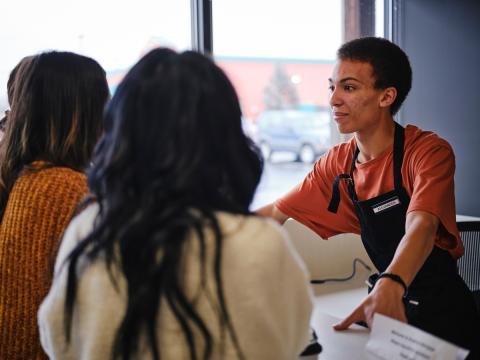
pixel 265 283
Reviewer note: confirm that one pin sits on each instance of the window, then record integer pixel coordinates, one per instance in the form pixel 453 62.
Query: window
pixel 279 56
pixel 114 33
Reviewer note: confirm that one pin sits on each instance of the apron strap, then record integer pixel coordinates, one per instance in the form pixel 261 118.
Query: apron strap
pixel 335 200
pixel 398 143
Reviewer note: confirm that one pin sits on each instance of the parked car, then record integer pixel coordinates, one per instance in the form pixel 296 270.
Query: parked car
pixel 249 128
pixel 306 134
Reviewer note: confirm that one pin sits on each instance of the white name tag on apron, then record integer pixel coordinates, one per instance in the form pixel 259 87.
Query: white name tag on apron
pixel 391 340
pixel 386 205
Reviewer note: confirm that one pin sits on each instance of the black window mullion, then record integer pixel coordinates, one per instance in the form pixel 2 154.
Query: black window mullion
pixel 202 26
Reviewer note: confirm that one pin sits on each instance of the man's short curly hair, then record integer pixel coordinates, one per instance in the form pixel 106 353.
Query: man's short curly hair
pixel 390 64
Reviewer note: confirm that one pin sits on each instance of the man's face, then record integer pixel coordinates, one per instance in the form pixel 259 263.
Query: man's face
pixel 354 101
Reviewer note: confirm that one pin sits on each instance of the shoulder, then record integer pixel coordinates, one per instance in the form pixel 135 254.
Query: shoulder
pixel 256 231
pixel 78 229
pixel 338 158
pixel 82 224
pixel 342 150
pixel 418 138
pixel 262 240
pixel 55 179
pixel 335 161
pixel 421 145
pixel 64 175
pixel 249 226
pixel 52 193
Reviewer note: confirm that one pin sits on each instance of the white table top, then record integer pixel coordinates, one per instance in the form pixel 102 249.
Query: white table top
pixel 467 218
pixel 338 345
pixel 330 309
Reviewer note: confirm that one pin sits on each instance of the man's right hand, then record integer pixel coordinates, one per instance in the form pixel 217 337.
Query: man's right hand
pixel 386 298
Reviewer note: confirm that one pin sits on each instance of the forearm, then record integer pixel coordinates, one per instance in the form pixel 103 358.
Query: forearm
pixel 411 253
pixel 415 246
pixel 266 210
pixel 272 211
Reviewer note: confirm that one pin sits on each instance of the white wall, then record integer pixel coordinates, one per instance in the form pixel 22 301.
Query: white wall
pixel 331 258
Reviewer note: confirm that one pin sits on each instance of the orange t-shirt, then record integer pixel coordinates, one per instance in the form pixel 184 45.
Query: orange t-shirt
pixel 427 172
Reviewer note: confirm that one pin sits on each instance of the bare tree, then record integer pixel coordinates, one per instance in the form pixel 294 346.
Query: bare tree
pixel 280 93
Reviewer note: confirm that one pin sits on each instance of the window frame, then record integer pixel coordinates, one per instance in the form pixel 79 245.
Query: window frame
pixel 201 17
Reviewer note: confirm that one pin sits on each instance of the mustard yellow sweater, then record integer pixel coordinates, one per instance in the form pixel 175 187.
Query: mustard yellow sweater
pixel 40 206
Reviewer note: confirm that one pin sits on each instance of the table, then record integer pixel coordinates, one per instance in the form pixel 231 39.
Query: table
pixel 329 309
pixel 462 218
pixel 333 302
pixel 338 345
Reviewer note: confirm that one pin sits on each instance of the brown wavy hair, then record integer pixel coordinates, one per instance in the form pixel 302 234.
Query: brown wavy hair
pixel 57 101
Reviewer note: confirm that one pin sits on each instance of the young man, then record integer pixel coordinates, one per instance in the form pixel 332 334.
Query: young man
pixel 394 186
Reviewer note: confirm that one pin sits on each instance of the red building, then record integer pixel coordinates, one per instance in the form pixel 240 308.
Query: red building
pixel 251 76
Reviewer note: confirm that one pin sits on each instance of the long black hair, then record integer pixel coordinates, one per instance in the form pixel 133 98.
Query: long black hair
pixel 57 102
pixel 173 154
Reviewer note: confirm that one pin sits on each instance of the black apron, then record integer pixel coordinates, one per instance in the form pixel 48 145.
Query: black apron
pixel 438 300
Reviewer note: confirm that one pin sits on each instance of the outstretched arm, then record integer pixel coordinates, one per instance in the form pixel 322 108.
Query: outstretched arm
pixel 272 211
pixel 414 248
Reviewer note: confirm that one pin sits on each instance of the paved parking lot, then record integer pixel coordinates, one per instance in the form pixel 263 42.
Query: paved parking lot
pixel 279 176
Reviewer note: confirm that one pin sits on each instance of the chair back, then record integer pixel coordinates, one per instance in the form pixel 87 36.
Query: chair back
pixel 469 264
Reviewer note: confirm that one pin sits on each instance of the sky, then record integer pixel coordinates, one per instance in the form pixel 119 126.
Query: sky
pixel 116 33
pixel 303 29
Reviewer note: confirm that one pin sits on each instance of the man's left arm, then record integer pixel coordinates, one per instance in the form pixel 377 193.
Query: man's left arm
pixel 412 252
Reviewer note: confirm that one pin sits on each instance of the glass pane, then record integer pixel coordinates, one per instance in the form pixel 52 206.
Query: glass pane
pixel 279 56
pixel 114 33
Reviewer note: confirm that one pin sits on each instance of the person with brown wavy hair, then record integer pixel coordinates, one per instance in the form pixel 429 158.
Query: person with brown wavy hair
pixel 57 101
pixel 10 91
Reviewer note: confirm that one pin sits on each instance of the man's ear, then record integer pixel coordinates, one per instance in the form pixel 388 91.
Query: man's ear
pixel 388 96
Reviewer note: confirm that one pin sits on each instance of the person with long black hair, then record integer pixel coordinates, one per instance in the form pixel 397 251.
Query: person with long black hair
pixel 167 261
pixel 57 101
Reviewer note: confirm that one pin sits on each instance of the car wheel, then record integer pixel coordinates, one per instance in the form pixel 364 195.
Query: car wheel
pixel 306 154
pixel 266 150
